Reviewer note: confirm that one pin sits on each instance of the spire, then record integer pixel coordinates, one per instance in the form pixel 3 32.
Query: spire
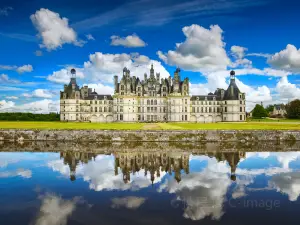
pixel 232 75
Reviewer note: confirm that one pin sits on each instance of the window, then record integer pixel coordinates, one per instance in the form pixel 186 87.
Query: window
pixel 139 88
pixel 100 109
pixel 241 117
pixel 95 109
pixel 122 87
pixel 151 102
pixel 139 94
pixel 121 108
pixel 185 117
pixel 91 102
pixel 225 109
pixel 95 102
pixel 241 102
pixel 225 102
pixel 193 109
pixel 105 109
pixel 182 117
pixel 206 109
pixel 185 109
pixel 148 102
pixel 122 93
pixel 210 109
pixel 185 101
pixel 155 102
pixel 241 109
pixel 121 117
pixel 77 101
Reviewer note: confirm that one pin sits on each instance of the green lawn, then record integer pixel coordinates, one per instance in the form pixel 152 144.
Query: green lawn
pixel 147 126
pixel 274 120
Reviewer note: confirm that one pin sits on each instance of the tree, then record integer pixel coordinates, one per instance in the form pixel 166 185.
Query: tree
pixel 293 109
pixel 270 108
pixel 259 112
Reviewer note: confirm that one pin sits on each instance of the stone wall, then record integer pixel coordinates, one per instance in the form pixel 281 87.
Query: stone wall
pixel 182 136
pixel 112 147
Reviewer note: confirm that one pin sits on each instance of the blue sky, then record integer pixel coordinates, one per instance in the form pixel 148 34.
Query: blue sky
pixel 41 40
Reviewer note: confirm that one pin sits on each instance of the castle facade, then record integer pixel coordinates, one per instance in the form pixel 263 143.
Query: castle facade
pixel 153 99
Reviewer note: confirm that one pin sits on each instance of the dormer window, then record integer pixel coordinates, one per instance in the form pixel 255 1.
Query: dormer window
pixel 95 97
pixel 197 98
pixel 105 97
pixel 214 98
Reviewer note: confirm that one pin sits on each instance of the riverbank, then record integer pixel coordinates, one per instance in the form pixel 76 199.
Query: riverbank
pixel 78 136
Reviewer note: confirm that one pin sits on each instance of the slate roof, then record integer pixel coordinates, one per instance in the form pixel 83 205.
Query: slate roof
pixel 232 93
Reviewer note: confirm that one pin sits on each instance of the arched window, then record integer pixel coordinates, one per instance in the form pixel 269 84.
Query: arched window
pixel 104 109
pixel 152 102
pixel 148 102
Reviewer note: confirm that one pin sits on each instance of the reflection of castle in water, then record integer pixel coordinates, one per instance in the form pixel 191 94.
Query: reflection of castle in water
pixel 74 158
pixel 150 162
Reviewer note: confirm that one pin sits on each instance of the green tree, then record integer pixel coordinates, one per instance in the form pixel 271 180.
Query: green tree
pixel 259 112
pixel 293 109
pixel 270 108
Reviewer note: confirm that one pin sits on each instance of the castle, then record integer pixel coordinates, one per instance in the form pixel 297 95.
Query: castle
pixel 153 99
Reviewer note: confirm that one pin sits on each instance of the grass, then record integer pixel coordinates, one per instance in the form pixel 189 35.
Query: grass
pixel 274 120
pixel 147 126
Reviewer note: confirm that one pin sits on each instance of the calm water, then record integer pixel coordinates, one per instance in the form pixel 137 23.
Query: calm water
pixel 58 188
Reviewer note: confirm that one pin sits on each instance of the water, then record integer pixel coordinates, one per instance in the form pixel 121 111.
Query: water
pixel 150 186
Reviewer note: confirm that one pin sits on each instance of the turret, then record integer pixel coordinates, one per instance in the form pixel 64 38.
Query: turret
pixel 151 71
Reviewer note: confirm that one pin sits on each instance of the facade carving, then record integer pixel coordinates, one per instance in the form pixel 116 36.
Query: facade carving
pixel 153 99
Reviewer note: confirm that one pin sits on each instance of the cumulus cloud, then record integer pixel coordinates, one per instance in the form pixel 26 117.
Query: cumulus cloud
pixel 54 210
pixel 6 105
pixel 42 106
pixel 286 90
pixel 288 183
pixel 53 30
pixel 39 93
pixel 202 50
pixel 131 41
pixel 101 68
pixel 287 59
pixel 203 193
pixel 19 69
pixel 130 202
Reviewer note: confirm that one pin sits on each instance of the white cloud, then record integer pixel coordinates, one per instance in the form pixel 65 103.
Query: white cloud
pixel 12 97
pixel 5 11
pixel 130 202
pixel 101 68
pixel 286 90
pixel 131 41
pixel 19 69
pixel 238 51
pixel 264 55
pixel 6 105
pixel 287 59
pixel 90 37
pixel 101 89
pixel 63 76
pixel 203 50
pixel 39 93
pixel 20 172
pixel 25 68
pixel 288 183
pixel 203 193
pixel 42 106
pixel 55 210
pixel 53 30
